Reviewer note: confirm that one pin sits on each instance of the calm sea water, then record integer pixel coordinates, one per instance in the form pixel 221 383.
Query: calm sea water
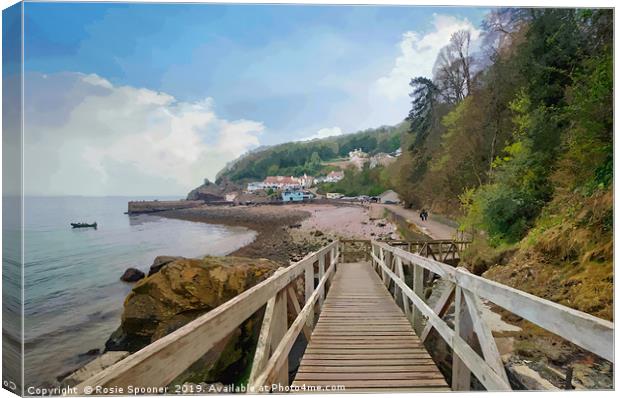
pixel 73 295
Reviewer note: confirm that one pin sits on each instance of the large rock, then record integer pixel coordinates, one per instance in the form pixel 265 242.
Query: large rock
pixel 132 275
pixel 212 192
pixel 160 262
pixel 182 291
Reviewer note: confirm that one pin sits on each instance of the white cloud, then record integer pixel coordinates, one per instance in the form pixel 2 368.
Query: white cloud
pixel 324 133
pixel 418 53
pixel 85 135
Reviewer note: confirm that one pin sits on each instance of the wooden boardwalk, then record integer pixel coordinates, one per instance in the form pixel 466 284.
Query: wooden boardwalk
pixel 363 341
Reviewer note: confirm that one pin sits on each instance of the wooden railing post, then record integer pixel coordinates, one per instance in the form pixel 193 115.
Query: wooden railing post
pixel 309 289
pixel 382 259
pixel 418 289
pixel 273 329
pixel 263 346
pixel 280 326
pixel 371 251
pixel 321 273
pixel 404 300
pixel 461 375
pixel 490 352
pixel 387 260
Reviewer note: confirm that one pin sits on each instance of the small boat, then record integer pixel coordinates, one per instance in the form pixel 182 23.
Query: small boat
pixel 83 225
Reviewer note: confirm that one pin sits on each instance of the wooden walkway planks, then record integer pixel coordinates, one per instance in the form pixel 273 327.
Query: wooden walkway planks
pixel 363 341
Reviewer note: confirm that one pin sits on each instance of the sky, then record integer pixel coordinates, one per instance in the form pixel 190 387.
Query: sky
pixel 150 99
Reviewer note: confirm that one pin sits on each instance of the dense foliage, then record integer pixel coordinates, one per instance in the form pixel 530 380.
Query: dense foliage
pixel 297 158
pixel 533 124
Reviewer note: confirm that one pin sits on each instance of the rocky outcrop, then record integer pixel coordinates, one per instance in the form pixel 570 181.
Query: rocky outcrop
pixel 132 275
pixel 211 192
pixel 180 292
pixel 160 262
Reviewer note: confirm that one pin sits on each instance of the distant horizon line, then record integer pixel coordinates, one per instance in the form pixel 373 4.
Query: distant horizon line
pixel 92 196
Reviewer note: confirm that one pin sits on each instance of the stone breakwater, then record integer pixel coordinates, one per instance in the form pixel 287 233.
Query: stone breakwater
pixel 153 206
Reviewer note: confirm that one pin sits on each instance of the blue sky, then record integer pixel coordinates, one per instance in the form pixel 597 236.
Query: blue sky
pixel 255 75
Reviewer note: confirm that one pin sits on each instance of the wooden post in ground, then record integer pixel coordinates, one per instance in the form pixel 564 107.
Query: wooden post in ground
pixel 461 375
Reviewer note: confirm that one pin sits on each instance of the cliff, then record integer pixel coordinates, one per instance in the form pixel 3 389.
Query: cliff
pixel 212 192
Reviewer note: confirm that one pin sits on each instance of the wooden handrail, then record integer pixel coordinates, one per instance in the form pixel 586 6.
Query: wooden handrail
pixel 432 241
pixel 585 330
pixel 280 354
pixel 589 332
pixel 477 365
pixel 159 363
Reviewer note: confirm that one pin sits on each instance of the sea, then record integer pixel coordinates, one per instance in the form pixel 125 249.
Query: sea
pixel 73 296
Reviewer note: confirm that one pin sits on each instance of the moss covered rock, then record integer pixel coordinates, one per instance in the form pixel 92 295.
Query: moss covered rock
pixel 182 291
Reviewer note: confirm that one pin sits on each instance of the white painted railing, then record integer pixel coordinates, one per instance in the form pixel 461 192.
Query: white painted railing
pixel 589 332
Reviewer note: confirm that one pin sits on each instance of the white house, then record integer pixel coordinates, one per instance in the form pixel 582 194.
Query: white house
pixel 358 157
pixel 255 186
pixel 334 176
pixel 381 159
pixel 282 182
pixel 306 181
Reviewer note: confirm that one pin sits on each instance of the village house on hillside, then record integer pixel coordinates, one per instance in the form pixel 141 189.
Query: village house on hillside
pixel 381 159
pixel 281 182
pixel 255 186
pixel 358 158
pixel 306 181
pixel 333 176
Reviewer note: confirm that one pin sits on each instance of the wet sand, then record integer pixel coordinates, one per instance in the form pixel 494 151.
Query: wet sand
pixel 286 233
pixel 352 222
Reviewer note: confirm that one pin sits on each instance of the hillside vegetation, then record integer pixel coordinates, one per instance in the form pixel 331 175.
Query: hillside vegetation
pixel 297 158
pixel 521 151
